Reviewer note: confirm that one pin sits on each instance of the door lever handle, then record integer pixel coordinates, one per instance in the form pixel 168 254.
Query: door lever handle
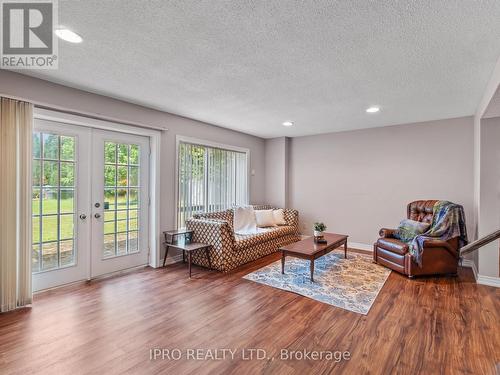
pixel 97 216
pixel 83 216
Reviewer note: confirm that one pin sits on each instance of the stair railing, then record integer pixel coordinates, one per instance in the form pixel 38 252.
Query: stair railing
pixel 473 246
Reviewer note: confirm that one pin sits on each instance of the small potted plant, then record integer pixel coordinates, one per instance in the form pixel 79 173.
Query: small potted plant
pixel 319 228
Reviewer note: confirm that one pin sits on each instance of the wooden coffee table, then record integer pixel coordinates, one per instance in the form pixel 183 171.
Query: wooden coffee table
pixel 308 249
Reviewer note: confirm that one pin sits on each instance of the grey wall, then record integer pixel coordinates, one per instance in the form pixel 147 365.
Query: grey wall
pixel 59 96
pixel 356 181
pixel 489 212
pixel 359 181
pixel 277 171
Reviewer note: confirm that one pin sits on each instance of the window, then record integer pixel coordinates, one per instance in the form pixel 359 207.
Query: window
pixel 210 179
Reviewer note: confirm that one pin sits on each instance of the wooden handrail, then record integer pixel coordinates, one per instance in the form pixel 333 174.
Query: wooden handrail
pixel 473 246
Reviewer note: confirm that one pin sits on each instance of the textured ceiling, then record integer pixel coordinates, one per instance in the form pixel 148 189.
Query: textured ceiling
pixel 250 65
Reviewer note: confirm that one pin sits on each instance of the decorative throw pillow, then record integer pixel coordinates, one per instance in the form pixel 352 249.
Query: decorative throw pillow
pixel 279 216
pixel 409 229
pixel 244 220
pixel 265 218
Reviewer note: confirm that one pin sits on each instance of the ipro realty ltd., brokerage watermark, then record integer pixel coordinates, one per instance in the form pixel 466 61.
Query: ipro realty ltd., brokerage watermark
pixel 246 354
pixel 27 38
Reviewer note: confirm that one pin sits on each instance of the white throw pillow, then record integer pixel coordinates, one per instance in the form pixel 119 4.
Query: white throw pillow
pixel 244 220
pixel 279 216
pixel 265 218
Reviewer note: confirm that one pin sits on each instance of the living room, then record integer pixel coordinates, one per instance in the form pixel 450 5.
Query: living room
pixel 208 186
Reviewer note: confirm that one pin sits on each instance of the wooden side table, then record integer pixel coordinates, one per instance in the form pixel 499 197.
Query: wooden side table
pixel 188 248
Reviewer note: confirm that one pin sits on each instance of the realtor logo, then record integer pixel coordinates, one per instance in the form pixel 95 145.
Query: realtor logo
pixel 28 40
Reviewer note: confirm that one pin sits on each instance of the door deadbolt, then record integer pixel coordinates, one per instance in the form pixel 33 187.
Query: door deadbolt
pixel 97 205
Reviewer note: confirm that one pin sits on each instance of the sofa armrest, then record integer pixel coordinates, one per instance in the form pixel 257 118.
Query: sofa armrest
pixel 291 217
pixel 217 233
pixel 387 233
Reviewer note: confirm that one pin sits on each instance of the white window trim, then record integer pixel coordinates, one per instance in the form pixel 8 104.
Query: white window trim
pixel 202 142
pixel 154 175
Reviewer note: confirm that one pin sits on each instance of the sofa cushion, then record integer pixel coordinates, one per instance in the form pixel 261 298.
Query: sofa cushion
pixel 393 245
pixel 267 234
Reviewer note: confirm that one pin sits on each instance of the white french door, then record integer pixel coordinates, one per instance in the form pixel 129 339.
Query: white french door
pixel 119 201
pixel 60 203
pixel 89 204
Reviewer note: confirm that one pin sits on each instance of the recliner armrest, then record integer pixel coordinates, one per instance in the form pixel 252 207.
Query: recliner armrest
pixel 428 244
pixel 387 233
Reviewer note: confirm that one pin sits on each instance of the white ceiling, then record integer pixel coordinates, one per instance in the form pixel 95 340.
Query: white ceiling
pixel 250 65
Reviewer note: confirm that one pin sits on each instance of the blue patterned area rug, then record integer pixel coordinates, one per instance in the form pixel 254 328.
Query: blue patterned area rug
pixel 351 284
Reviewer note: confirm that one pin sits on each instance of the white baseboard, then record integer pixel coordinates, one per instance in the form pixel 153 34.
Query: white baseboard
pixel 488 280
pixel 481 279
pixel 360 246
pixel 469 263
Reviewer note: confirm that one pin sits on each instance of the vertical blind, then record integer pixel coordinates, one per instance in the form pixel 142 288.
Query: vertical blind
pixel 210 179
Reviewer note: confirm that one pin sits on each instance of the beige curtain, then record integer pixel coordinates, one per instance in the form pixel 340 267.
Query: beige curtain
pixel 16 126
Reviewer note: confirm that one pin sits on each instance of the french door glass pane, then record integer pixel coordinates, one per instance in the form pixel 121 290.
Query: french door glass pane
pixel 49 256
pixel 49 201
pixel 36 172
pixel 35 201
pixel 67 174
pixel 36 145
pixel 67 148
pixel 50 146
pixel 109 245
pixel 49 228
pixel 121 196
pixel 67 201
pixel 66 250
pixel 50 173
pixel 53 201
pixel 132 240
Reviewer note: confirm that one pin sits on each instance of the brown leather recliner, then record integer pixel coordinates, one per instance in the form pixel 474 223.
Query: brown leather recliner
pixel 439 257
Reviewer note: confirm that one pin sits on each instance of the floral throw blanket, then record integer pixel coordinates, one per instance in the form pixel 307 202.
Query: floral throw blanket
pixel 448 222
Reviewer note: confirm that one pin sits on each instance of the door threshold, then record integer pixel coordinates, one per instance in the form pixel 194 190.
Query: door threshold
pixel 97 278
pixel 118 273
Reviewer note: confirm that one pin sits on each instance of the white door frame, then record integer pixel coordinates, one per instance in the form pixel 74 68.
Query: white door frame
pixel 154 171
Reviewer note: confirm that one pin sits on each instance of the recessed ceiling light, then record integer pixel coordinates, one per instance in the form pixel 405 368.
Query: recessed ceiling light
pixel 68 35
pixel 373 109
pixel 287 123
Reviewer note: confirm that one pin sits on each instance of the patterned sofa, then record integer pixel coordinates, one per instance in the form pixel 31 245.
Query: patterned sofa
pixel 230 250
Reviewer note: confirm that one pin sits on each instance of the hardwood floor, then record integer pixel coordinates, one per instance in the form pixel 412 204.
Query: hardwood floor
pixel 421 326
